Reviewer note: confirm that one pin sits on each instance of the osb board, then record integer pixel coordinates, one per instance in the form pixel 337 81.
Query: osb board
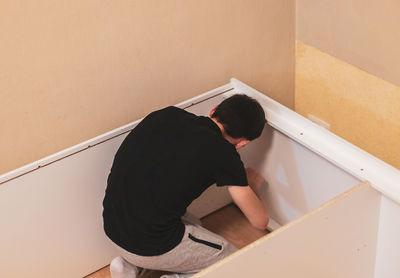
pixel 360 107
pixel 336 240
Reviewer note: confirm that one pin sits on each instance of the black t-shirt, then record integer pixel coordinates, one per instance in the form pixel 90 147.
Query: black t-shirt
pixel 165 163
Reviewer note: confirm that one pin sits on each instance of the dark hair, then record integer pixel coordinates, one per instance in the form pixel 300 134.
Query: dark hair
pixel 241 117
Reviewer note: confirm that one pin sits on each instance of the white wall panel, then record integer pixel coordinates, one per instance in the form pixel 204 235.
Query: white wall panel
pixel 335 240
pixel 297 179
pixel 51 218
pixel 388 249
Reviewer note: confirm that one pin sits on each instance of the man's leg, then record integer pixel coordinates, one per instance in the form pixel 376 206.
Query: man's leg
pixel 198 249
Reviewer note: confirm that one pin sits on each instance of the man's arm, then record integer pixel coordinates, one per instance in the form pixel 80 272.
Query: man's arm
pixel 252 207
pixel 247 200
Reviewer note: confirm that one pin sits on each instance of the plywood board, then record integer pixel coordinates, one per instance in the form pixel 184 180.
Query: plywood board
pixel 335 240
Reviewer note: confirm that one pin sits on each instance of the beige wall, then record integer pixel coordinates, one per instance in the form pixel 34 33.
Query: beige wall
pixel 363 33
pixel 71 70
pixel 347 51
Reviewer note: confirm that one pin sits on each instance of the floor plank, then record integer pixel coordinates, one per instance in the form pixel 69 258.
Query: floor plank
pixel 228 222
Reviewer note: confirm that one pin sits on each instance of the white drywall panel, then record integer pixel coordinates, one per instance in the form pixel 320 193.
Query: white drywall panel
pixel 335 240
pixel 51 218
pixel 388 249
pixel 297 179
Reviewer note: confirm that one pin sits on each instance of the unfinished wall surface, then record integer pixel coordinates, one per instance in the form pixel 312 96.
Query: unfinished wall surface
pixel 347 71
pixel 71 70
pixel 360 107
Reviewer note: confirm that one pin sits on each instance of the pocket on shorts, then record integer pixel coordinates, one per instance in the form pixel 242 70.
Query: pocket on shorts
pixel 205 242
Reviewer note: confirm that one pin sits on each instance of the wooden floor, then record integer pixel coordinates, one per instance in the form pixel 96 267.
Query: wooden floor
pixel 228 222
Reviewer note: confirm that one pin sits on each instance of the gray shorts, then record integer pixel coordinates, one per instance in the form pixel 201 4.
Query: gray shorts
pixel 198 249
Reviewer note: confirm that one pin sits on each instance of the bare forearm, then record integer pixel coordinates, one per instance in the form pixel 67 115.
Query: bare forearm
pixel 251 206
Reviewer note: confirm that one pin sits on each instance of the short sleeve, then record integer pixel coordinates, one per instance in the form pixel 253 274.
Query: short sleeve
pixel 229 169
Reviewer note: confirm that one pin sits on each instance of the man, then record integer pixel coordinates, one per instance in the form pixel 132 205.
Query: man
pixel 164 164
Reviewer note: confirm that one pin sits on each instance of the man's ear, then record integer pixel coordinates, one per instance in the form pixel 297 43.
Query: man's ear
pixel 242 143
pixel 212 110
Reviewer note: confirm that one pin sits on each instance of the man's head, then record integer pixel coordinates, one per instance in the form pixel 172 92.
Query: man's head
pixel 241 117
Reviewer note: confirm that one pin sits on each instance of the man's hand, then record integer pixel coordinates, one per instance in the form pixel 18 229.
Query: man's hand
pixel 255 179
